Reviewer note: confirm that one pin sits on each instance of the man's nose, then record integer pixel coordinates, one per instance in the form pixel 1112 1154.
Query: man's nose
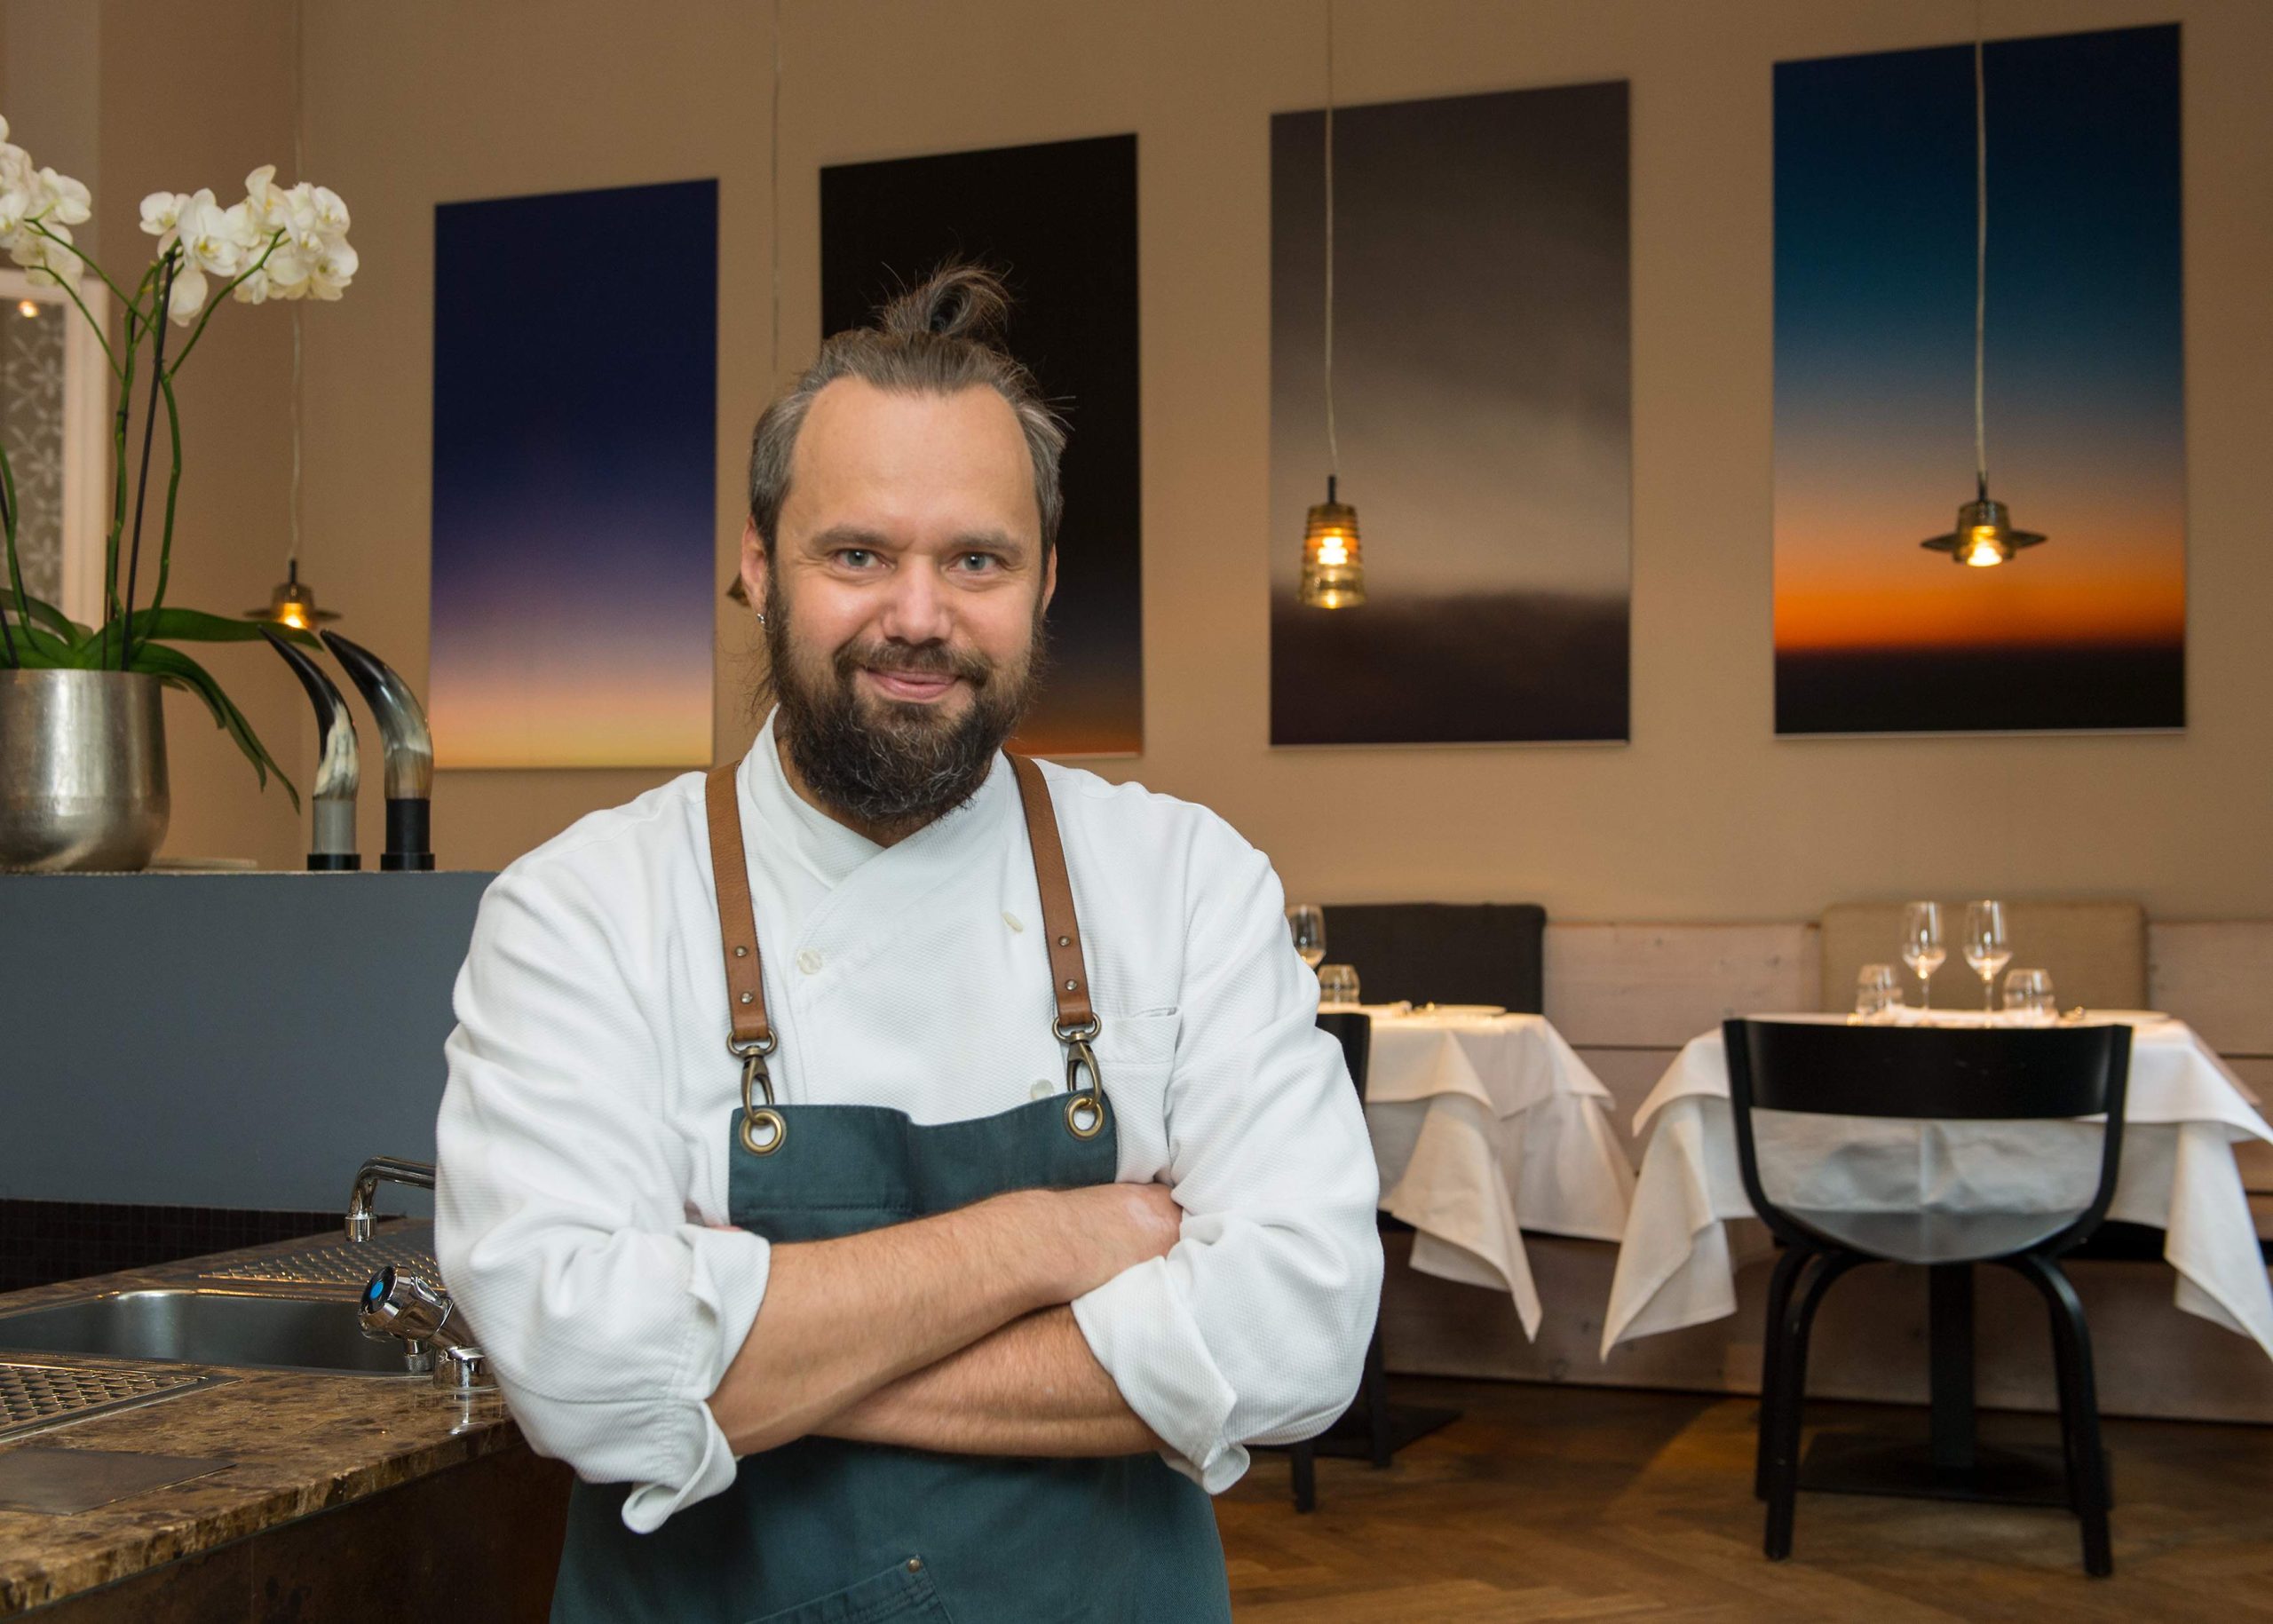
pixel 916 608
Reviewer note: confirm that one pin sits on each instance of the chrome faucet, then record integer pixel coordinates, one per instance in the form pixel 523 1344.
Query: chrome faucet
pixel 378 1170
pixel 420 1314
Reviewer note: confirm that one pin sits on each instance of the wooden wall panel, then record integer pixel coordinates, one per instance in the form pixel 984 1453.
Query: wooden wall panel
pixel 2216 976
pixel 1657 986
pixel 1629 1075
pixel 1870 1339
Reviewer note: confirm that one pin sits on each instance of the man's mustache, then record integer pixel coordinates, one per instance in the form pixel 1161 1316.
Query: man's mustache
pixel 913 659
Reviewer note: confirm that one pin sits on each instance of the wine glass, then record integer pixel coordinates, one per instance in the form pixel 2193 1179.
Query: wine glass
pixel 1877 992
pixel 1307 921
pixel 1988 947
pixel 2028 993
pixel 1922 949
pixel 1337 984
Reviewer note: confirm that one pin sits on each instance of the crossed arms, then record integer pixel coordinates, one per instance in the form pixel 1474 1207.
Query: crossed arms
pixel 950 1333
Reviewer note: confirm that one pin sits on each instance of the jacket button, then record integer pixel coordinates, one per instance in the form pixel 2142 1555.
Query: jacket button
pixel 1042 1088
pixel 810 961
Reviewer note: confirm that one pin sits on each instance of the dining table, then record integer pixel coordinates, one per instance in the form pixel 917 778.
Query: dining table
pixel 2185 1113
pixel 1485 1124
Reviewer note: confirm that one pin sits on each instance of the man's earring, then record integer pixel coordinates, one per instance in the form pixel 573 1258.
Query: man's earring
pixel 761 617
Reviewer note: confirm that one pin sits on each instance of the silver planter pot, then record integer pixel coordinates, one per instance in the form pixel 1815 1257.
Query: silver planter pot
pixel 83 770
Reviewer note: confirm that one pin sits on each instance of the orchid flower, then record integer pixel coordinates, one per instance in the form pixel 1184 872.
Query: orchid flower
pixel 276 243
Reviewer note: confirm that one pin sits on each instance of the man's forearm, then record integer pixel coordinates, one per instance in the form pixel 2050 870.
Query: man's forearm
pixel 842 1318
pixel 1032 1388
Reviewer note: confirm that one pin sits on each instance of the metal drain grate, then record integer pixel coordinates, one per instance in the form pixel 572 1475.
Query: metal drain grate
pixel 343 1263
pixel 33 1396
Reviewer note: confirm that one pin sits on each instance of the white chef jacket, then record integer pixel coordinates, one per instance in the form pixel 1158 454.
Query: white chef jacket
pixel 584 1132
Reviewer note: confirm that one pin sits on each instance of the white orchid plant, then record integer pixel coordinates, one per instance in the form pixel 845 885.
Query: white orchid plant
pixel 278 243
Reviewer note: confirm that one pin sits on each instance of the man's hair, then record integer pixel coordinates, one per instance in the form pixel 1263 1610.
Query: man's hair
pixel 939 338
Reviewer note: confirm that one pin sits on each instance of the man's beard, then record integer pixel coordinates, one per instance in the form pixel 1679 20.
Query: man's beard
pixel 886 763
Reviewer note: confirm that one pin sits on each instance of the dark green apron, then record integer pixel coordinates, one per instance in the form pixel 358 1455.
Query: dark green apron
pixel 822 1532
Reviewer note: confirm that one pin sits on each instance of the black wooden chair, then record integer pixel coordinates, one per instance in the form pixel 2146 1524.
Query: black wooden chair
pixel 1442 952
pixel 1925 1074
pixel 1355 1031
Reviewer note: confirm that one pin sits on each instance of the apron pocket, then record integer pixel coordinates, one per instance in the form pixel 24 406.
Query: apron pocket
pixel 901 1592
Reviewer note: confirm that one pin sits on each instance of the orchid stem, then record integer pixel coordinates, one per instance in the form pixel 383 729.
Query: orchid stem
pixel 227 287
pixel 173 486
pixel 142 485
pixel 15 569
pixel 93 326
pixel 76 253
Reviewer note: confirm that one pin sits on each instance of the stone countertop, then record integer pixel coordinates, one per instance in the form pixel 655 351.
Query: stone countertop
pixel 300 1442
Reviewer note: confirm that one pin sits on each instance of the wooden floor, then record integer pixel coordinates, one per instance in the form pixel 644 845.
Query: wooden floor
pixel 1560 1502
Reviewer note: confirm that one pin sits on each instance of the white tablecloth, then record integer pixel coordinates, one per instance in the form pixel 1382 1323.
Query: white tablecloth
pixel 1485 1128
pixel 2183 1114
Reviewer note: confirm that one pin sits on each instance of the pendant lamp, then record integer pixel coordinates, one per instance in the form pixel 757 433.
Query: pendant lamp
pixel 292 604
pixel 1334 569
pixel 1985 536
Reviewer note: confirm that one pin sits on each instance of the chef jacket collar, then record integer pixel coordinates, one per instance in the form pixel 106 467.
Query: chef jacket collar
pixel 833 854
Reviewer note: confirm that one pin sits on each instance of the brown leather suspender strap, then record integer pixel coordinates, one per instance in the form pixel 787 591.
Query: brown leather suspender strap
pixel 1069 976
pixel 752 1034
pixel 751 1037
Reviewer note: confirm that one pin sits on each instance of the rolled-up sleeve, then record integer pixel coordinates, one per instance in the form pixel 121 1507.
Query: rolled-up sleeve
pixel 1253 1329
pixel 560 1215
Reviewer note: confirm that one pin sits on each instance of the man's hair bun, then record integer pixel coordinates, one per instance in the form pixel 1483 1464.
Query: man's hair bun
pixel 940 336
pixel 957 301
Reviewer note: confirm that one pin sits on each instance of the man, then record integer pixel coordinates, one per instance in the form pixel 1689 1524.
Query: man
pixel 941 1252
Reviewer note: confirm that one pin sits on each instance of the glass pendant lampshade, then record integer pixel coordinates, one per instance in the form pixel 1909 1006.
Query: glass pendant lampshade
pixel 291 603
pixel 1334 569
pixel 1985 536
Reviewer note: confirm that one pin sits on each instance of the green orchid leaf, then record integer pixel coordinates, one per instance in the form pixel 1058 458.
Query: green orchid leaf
pixel 178 670
pixel 61 624
pixel 196 626
pixel 33 656
pixel 39 649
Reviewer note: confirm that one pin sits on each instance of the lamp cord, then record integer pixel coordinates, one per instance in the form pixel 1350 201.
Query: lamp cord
pixel 773 200
pixel 299 173
pixel 1332 446
pixel 1980 260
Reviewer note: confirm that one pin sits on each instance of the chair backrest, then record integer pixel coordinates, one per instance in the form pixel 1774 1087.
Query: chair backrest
pixel 1355 1030
pixel 1933 1074
pixel 2097 951
pixel 1442 952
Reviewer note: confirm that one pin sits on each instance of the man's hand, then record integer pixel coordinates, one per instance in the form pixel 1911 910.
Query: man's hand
pixel 842 1318
pixel 1103 1229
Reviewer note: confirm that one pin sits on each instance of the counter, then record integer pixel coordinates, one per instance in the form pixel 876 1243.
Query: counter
pixel 434 1481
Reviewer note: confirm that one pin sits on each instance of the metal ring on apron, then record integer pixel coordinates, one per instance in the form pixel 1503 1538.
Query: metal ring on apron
pixel 762 1131
pixel 1090 1100
pixel 758 1080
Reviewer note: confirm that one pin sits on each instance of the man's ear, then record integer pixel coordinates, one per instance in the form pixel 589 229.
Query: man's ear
pixel 750 587
pixel 1049 580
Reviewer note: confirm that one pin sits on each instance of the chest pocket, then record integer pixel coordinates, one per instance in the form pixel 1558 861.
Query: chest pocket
pixel 1137 1047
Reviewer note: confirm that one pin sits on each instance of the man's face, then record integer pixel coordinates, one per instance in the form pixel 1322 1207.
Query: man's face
pixel 904 600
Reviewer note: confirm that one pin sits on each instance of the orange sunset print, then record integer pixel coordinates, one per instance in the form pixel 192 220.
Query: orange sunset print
pixel 2084 399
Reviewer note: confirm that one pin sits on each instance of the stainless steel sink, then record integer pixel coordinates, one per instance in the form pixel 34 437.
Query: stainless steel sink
pixel 207 1327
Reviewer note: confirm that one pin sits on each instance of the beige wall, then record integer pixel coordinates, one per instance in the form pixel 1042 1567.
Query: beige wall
pixel 1705 815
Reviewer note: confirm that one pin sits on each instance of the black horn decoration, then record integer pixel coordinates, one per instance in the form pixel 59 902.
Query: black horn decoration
pixel 331 842
pixel 409 752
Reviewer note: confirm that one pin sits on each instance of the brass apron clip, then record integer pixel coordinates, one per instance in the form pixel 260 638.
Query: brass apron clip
pixel 1084 1107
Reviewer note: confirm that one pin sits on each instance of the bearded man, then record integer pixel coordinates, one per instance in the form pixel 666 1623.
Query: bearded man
pixel 902 1178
